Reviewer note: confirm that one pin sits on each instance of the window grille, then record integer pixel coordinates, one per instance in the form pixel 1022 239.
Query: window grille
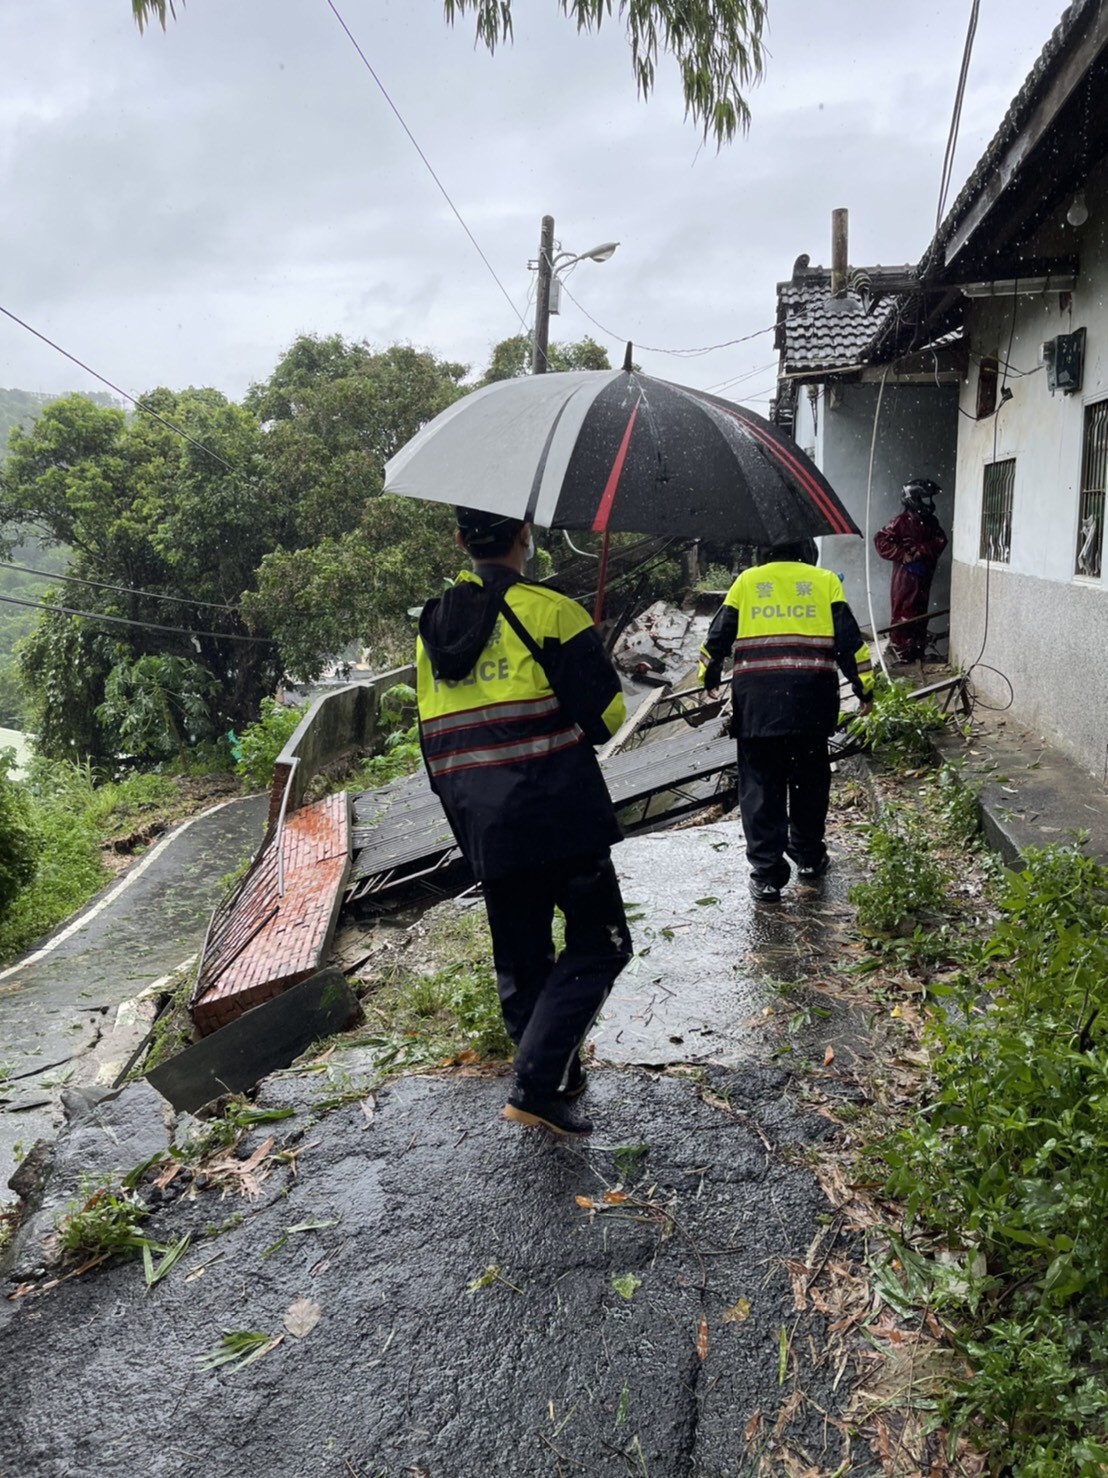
pixel 996 511
pixel 1094 475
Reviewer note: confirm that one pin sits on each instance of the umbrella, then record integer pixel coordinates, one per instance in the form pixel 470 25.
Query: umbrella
pixel 615 451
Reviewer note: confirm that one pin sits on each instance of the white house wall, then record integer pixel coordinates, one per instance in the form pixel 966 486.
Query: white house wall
pixel 1047 628
pixel 916 436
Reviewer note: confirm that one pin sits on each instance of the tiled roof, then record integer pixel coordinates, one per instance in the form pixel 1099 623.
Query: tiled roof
pixel 818 332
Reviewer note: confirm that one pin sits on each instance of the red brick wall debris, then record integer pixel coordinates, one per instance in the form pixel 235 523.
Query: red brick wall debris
pixel 287 936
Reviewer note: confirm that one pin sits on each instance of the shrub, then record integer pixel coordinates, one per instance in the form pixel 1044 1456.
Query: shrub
pixel 1011 1163
pixel 714 578
pixel 19 842
pixel 262 741
pixel 898 723
pixel 905 880
pixel 956 806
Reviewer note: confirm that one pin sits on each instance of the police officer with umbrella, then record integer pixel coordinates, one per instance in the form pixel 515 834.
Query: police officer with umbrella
pixel 514 688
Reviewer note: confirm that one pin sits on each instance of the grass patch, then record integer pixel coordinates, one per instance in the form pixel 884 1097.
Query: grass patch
pixel 421 1015
pixel 103 1222
pixel 173 1028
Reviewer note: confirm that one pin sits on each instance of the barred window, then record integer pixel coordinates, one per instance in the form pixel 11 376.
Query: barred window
pixel 1094 474
pixel 996 511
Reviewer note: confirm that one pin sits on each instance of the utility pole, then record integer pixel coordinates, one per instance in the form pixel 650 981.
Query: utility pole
pixel 542 296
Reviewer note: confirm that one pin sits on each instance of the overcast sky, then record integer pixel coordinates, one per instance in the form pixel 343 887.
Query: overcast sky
pixel 177 207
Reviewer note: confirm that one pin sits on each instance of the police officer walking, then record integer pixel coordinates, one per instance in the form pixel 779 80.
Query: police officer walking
pixel 789 627
pixel 514 689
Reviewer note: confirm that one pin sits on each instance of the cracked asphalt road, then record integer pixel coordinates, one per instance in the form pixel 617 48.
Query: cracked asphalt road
pixel 549 1369
pixel 55 1005
pixel 654 1333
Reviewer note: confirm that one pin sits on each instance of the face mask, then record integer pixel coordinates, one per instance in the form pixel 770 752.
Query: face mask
pixel 531 547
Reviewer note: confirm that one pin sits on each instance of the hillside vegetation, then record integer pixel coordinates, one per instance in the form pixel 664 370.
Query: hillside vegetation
pixel 20 408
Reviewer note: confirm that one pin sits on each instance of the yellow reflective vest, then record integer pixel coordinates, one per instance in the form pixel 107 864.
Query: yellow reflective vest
pixel 514 689
pixel 790 632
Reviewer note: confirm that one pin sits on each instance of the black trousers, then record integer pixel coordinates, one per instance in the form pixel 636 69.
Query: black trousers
pixel 549 1005
pixel 784 787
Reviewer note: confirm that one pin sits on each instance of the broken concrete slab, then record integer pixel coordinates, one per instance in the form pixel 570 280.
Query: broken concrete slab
pixel 263 1040
pixel 108 1135
pixel 662 642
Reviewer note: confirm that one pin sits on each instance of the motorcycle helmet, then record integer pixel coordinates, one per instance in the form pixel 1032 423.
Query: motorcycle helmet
pixel 918 496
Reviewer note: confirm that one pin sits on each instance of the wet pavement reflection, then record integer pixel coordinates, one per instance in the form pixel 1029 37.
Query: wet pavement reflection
pixel 706 981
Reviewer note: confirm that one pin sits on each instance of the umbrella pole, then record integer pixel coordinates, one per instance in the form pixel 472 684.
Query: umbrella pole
pixel 601 580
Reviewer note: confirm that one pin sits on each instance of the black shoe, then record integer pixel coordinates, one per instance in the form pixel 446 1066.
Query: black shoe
pixel 546 1111
pixel 813 874
pixel 764 892
pixel 577 1081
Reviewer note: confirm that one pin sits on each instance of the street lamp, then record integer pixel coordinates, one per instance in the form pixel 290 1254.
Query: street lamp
pixel 548 288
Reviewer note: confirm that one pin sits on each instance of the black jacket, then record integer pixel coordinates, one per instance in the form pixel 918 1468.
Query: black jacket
pixel 511 703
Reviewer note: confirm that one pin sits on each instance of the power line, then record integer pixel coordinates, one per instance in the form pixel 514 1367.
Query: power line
pixel 39 605
pixel 138 404
pixel 766 392
pixel 181 600
pixel 653 348
pixel 738 379
pixel 442 188
pixel 956 117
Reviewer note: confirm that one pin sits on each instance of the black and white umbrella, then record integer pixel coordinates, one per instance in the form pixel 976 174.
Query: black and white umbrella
pixel 618 451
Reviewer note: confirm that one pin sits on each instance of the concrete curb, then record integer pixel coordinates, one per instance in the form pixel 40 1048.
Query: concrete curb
pixel 1028 794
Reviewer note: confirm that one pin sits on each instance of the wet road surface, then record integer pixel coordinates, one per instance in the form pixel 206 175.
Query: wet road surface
pixel 707 958
pixel 483 1309
pixel 57 1003
pixel 476 1318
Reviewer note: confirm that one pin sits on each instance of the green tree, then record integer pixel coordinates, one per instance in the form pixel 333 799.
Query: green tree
pixel 160 707
pixel 512 357
pixel 63 667
pixel 17 621
pixel 21 408
pixel 717 45
pixel 335 412
pixel 171 523
pixel 357 588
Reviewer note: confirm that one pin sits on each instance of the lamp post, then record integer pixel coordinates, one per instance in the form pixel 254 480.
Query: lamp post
pixel 549 266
